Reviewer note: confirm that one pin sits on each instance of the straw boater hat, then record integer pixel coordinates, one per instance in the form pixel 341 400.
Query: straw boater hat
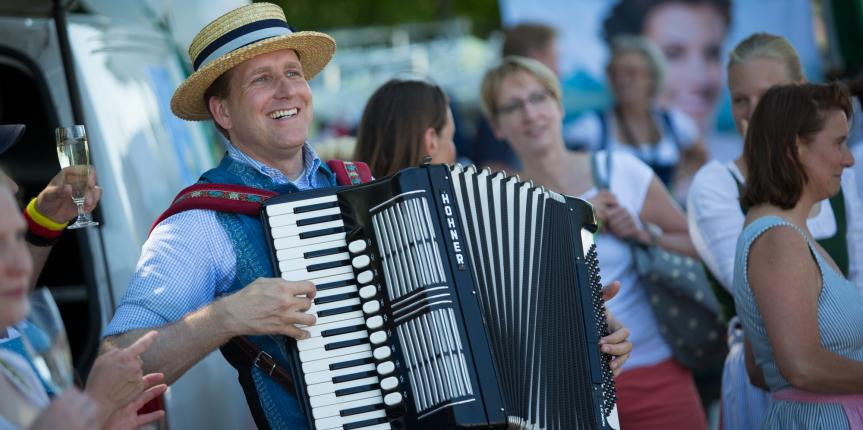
pixel 237 36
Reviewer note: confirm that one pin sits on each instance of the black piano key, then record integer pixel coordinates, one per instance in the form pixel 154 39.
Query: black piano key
pixel 324 232
pixel 316 207
pixel 328 265
pixel 335 284
pixel 365 423
pixel 325 252
pixel 354 376
pixel 361 410
pixel 341 310
pixel 357 389
pixel 336 298
pixel 351 363
pixel 318 220
pixel 343 330
pixel 346 343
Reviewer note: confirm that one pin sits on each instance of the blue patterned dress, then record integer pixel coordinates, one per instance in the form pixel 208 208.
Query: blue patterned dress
pixel 840 325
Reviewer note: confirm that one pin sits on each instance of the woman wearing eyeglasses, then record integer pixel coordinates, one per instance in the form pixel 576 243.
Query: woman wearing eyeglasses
pixel 521 99
pixel 666 139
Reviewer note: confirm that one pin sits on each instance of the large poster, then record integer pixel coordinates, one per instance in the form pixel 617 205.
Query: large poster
pixel 695 35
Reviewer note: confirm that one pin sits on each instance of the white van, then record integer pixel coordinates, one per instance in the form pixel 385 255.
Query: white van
pixel 126 68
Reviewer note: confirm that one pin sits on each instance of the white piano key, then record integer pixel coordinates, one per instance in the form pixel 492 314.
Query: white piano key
pixel 303 263
pixel 331 399
pixel 292 218
pixel 294 242
pixel 305 275
pixel 294 231
pixel 357 246
pixel 382 426
pixel 324 365
pixel 368 292
pixel 321 353
pixel 288 207
pixel 336 291
pixel 317 329
pixel 334 278
pixel 378 338
pixel 361 262
pixel 329 387
pixel 334 410
pixel 328 375
pixel 300 249
pixel 321 342
pixel 371 307
pixel 390 383
pixel 393 399
pixel 315 309
pixel 386 368
pixel 338 317
pixel 339 421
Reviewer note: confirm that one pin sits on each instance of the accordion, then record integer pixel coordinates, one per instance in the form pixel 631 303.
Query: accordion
pixel 447 297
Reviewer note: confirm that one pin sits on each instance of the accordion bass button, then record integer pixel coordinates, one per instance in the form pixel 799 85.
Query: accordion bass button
pixel 365 277
pixel 357 246
pixel 382 353
pixel 361 261
pixel 390 383
pixel 378 337
pixel 375 322
pixel 368 292
pixel 371 307
pixel 393 399
pixel 386 368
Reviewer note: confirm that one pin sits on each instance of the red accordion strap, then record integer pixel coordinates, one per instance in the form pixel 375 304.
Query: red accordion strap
pixel 248 200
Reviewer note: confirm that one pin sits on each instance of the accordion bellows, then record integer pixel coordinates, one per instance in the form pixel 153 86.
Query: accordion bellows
pixel 447 298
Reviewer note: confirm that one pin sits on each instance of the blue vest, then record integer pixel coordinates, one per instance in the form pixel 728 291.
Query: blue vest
pixel 271 405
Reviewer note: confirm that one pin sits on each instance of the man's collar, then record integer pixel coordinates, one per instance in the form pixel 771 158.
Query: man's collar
pixel 311 164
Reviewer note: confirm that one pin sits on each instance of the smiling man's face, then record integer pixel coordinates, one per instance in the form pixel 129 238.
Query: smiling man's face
pixel 268 110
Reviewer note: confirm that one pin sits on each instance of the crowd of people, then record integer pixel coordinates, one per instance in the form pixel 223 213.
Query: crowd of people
pixel 779 229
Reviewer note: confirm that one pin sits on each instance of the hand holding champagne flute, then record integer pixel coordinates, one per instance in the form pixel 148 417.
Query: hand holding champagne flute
pixel 74 154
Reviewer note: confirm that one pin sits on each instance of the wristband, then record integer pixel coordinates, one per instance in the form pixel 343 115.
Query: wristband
pixel 38 233
pixel 43 220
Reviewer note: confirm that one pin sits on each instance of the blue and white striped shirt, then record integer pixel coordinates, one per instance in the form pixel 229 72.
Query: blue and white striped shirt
pixel 188 260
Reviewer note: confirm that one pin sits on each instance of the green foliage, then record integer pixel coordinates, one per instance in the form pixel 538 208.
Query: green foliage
pixel 331 14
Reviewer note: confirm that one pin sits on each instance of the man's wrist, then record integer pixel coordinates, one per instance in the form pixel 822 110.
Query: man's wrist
pixel 220 316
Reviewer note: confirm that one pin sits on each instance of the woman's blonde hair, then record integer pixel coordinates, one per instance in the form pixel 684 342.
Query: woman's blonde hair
pixel 509 66
pixel 766 45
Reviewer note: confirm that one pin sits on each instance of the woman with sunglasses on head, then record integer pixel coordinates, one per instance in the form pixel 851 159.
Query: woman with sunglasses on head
pixel 521 99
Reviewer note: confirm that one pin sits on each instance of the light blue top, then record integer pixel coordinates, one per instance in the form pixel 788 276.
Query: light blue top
pixel 840 319
pixel 189 260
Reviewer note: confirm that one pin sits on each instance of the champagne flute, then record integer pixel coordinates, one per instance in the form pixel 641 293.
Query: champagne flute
pixel 74 154
pixel 45 342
